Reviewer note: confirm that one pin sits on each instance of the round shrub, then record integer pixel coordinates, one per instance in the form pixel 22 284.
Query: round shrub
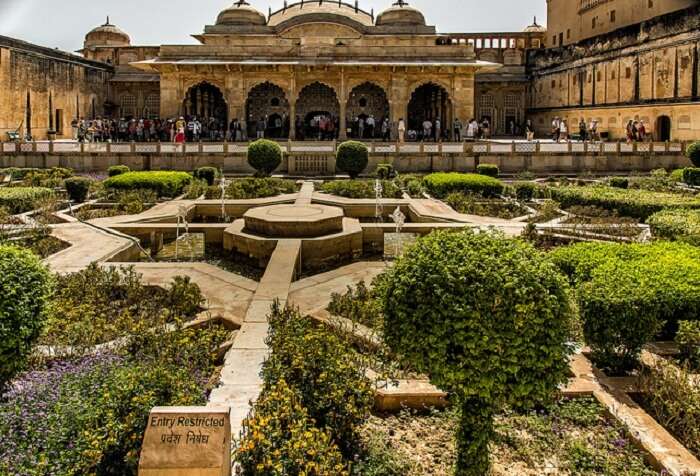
pixel 525 191
pixel 691 176
pixel 442 184
pixel 488 319
pixel 25 286
pixel 693 153
pixel 385 172
pixel 352 158
pixel 206 173
pixel 619 182
pixel 264 156
pixel 115 170
pixel 78 188
pixel 490 170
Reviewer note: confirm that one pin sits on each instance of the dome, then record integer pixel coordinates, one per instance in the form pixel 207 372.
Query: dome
pixel 400 14
pixel 241 13
pixel 313 11
pixel 107 35
pixel 535 28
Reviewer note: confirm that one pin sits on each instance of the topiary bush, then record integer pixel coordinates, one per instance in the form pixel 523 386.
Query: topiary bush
pixel 490 170
pixel 264 156
pixel 78 188
pixel 208 174
pixel 619 182
pixel 442 184
pixel 25 287
pixel 352 158
pixel 115 170
pixel 385 172
pixel 488 319
pixel 693 153
pixel 691 176
pixel 165 184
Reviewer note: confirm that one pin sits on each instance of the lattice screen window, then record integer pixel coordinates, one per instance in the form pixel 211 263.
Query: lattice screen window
pixel 152 108
pixel 128 105
pixel 486 101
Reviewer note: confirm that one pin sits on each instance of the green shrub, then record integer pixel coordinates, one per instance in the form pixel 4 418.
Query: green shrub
pixel 352 158
pixel 115 170
pixel 78 188
pixel 319 366
pixel 688 340
pixel 488 319
pixel 619 182
pixel 525 191
pixel 358 304
pixel 165 184
pixel 264 156
pixel 693 153
pixel 361 189
pixel 279 438
pixel 197 189
pixel 385 172
pixel 248 188
pixel 676 176
pixel 677 225
pixel 22 199
pixel 691 176
pixel 490 170
pixel 25 286
pixel 633 203
pixel 208 174
pixel 442 184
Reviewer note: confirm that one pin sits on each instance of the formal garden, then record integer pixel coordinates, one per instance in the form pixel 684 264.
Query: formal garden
pixel 435 324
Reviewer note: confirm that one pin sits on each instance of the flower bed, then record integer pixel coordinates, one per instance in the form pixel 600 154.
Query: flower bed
pixel 165 184
pixel 359 189
pixel 681 225
pixel 22 199
pixel 442 184
pixel 635 203
pixel 468 204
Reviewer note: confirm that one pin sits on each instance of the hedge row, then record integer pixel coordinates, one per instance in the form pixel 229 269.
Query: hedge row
pixel 22 199
pixel 677 225
pixel 629 295
pixel 165 184
pixel 635 203
pixel 442 184
pixel 361 189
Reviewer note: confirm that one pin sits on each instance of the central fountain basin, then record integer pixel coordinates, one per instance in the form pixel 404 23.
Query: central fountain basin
pixel 294 221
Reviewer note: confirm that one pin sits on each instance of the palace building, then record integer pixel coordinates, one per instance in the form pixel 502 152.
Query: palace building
pixel 605 60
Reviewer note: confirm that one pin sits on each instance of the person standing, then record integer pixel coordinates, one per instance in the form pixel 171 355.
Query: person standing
pixel 402 130
pixel 438 130
pixel 386 130
pixel 642 131
pixel 361 127
pixel 427 130
pixel 593 130
pixel 582 130
pixel 556 129
pixel 457 128
pixel 629 131
pixel 529 131
pixel 370 127
pixel 472 129
pixel 486 129
pixel 563 130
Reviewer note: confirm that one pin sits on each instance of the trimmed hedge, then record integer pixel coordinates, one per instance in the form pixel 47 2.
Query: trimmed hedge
pixel 206 173
pixel 442 184
pixel 248 188
pixel 78 188
pixel 352 158
pixel 165 184
pixel 115 170
pixel 490 170
pixel 693 153
pixel 488 319
pixel 691 176
pixel 264 156
pixel 22 199
pixel 677 225
pixel 619 182
pixel 630 294
pixel 635 203
pixel 361 189
pixel 25 286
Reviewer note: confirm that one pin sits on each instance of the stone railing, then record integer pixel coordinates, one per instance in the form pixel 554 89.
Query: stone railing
pixel 329 147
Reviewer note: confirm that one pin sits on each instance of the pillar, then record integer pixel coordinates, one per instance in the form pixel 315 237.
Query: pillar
pixel 292 118
pixel 343 133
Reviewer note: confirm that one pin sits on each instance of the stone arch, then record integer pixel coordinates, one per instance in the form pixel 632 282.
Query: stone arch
pixel 267 111
pixel 430 101
pixel 663 128
pixel 365 100
pixel 206 100
pixel 318 111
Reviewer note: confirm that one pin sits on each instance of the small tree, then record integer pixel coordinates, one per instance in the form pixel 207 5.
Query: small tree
pixel 206 173
pixel 264 156
pixel 488 319
pixel 352 158
pixel 693 153
pixel 78 188
pixel 25 286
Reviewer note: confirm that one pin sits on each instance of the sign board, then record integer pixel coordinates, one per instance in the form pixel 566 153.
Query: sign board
pixel 187 441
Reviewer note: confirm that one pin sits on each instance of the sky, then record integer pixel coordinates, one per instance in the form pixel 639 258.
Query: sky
pixel 63 24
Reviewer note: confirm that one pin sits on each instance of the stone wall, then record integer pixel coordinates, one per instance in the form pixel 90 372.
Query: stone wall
pixel 48 86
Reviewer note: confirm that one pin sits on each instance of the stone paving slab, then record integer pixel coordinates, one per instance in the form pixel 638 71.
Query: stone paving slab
pixel 251 336
pixel 241 367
